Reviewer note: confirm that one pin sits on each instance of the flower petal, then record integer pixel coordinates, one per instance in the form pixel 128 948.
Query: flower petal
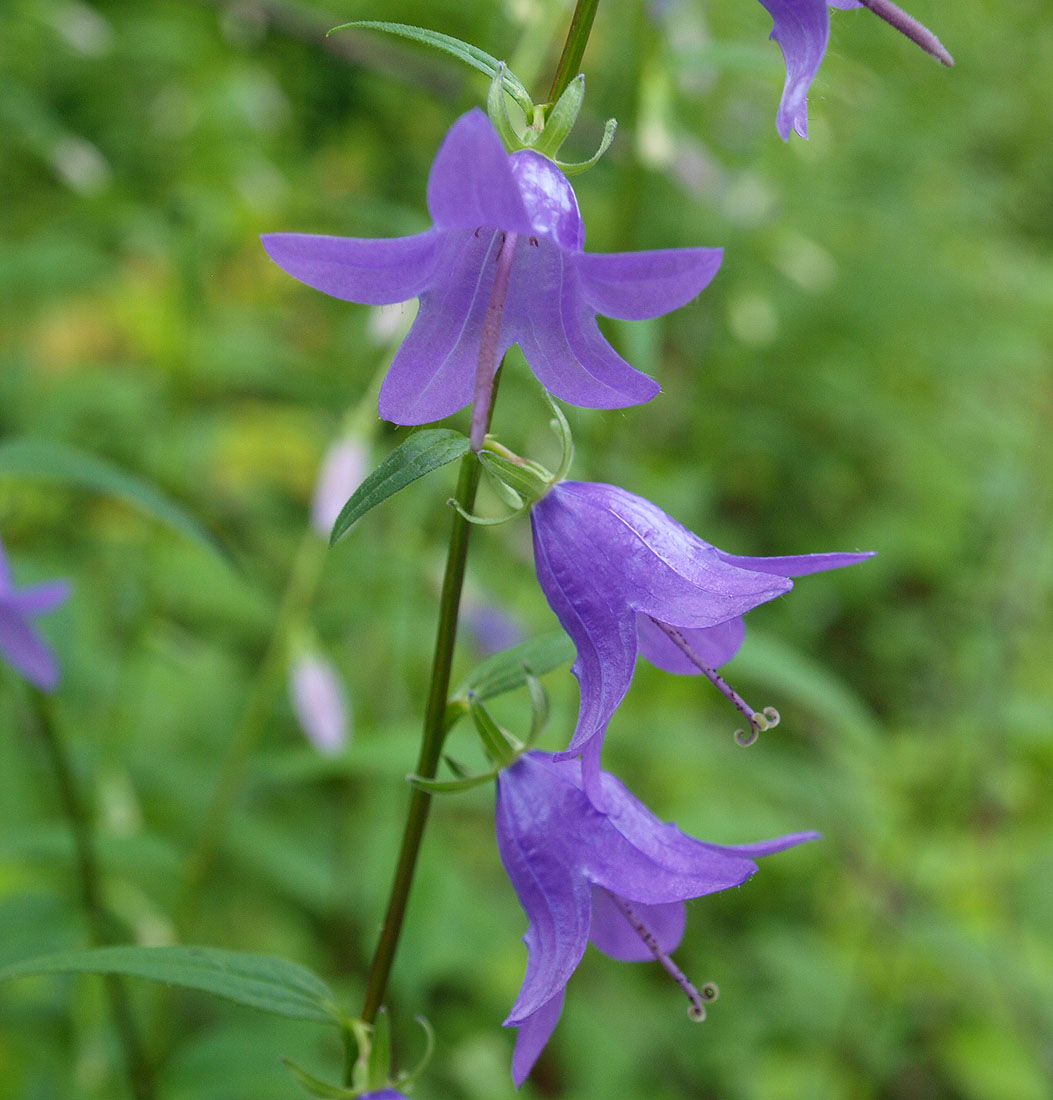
pixel 372 272
pixel 549 199
pixel 612 934
pixel 534 1032
pixel 590 609
pixel 39 598
pixel 795 565
pixel 25 650
pixel 637 285
pixel 802 29
pixel 471 185
pixel 433 374
pixel 557 901
pixel 715 645
pixel 549 318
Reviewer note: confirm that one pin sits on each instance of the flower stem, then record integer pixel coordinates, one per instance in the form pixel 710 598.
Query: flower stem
pixel 435 726
pixel 574 48
pixel 140 1074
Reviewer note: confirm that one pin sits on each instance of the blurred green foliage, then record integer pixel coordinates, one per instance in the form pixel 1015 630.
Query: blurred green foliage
pixel 870 369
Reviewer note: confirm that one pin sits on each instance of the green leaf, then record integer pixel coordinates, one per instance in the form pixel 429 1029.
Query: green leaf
pixel 46 458
pixel 505 670
pixel 463 51
pixel 270 984
pixel 423 452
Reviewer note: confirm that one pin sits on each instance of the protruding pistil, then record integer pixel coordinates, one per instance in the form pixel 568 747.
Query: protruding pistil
pixel 697 1007
pixel 909 26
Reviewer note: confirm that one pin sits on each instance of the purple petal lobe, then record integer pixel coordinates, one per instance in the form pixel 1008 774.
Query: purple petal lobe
pixel 471 185
pixel 25 650
pixel 637 285
pixel 612 934
pixel 802 29
pixel 557 904
pixel 371 272
pixel 795 565
pixel 433 373
pixel 547 315
pixel 534 1032
pixel 39 598
pixel 549 199
pixel 715 645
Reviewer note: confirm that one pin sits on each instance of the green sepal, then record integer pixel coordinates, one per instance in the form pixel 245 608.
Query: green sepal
pixel 575 168
pixel 379 1071
pixel 451 786
pixel 539 708
pixel 561 426
pixel 463 51
pixel 505 671
pixel 528 480
pixel 423 452
pixel 315 1086
pixel 506 492
pixel 405 1080
pixel 498 112
pixel 561 118
pixel 500 745
pixel 483 521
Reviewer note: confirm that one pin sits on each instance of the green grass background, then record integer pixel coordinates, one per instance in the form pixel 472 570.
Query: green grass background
pixel 870 369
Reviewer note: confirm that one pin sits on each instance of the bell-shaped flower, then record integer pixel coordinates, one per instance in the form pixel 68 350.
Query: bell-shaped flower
pixel 618 877
pixel 624 578
pixel 20 645
pixel 504 264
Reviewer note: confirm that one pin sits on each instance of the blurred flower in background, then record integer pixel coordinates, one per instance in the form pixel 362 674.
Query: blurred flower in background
pixel 20 645
pixel 319 701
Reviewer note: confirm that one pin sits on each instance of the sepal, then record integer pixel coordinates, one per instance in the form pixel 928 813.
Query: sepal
pixel 561 118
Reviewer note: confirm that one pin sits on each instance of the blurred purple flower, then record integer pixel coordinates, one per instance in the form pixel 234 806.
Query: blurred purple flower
pixel 493 628
pixel 482 201
pixel 802 29
pixel 624 578
pixel 20 645
pixel 319 702
pixel 340 474
pixel 384 1094
pixel 618 877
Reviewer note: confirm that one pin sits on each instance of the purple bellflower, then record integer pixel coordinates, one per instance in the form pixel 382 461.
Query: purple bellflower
pixel 20 645
pixel 624 578
pixel 618 877
pixel 504 264
pixel 802 29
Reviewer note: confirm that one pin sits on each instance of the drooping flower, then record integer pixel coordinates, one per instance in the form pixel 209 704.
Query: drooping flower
pixel 20 645
pixel 319 702
pixel 624 578
pixel 508 236
pixel 618 877
pixel 802 29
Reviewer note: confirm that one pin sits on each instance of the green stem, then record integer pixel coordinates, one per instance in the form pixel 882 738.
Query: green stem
pixel 574 48
pixel 431 740
pixel 138 1067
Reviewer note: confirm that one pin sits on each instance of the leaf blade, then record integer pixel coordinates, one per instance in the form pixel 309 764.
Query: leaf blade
pixel 264 982
pixel 423 452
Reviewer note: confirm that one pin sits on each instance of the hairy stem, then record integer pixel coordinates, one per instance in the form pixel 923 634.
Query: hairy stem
pixel 140 1074
pixel 574 48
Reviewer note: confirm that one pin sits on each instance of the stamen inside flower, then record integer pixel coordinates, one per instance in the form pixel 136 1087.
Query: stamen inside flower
pixel 765 719
pixel 486 366
pixel 697 998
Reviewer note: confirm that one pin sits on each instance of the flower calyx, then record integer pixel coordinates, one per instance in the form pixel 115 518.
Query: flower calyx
pixel 547 124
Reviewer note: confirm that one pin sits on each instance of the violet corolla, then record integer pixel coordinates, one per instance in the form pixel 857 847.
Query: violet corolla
pixel 802 29
pixel 20 645
pixel 504 264
pixel 625 578
pixel 618 877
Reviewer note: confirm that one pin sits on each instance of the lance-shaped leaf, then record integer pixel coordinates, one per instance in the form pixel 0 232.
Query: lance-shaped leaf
pixel 463 51
pixel 423 452
pixel 270 984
